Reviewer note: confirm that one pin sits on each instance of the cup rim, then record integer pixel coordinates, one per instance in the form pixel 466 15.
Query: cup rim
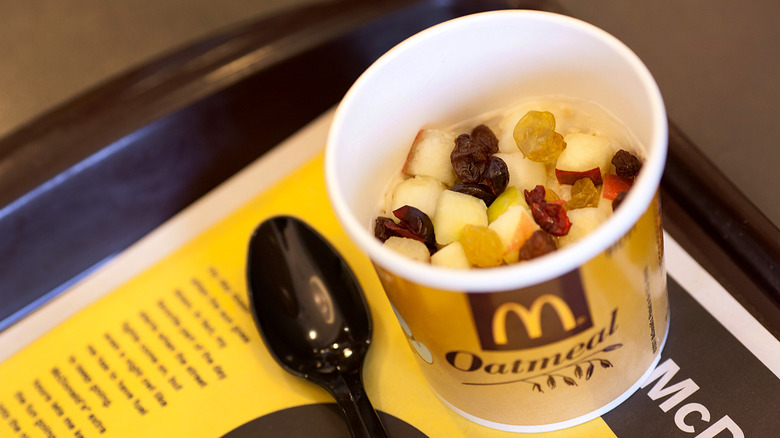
pixel 534 271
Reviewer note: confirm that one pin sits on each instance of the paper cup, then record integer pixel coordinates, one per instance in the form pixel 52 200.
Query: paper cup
pixel 544 344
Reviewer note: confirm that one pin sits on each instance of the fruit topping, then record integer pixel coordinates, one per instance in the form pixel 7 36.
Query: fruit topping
pixel 491 203
pixel 430 156
pixel 469 159
pixel 583 222
pixel 570 177
pixel 385 228
pixel 551 196
pixel 482 246
pixel 614 184
pixel 411 248
pixel 627 165
pixel 619 199
pixel 586 156
pixel 496 175
pixel 536 195
pixel 551 217
pixel 453 212
pixel 583 194
pixel 539 244
pixel 414 224
pixel 451 256
pixel 421 192
pixel 536 137
pixel 514 227
pixel 480 191
pixel 484 136
pixel 418 223
pixel 511 196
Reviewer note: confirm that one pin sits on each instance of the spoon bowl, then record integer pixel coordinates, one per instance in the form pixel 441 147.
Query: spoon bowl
pixel 311 313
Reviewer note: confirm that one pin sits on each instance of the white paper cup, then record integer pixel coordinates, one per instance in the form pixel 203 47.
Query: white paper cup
pixel 544 344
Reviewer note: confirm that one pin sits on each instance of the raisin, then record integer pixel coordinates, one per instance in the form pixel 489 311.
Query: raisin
pixel 469 159
pixel 480 191
pixel 496 175
pixel 619 199
pixel 539 244
pixel 482 246
pixel 627 165
pixel 551 217
pixel 536 137
pixel 551 196
pixel 418 223
pixel 583 194
pixel 485 138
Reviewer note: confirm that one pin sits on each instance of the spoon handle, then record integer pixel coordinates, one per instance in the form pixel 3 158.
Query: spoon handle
pixel 351 397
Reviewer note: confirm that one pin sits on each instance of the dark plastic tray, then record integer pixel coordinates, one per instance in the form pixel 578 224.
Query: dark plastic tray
pixel 86 180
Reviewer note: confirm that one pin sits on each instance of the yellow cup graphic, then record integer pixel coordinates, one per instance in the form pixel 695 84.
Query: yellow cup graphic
pixel 543 344
pixel 546 356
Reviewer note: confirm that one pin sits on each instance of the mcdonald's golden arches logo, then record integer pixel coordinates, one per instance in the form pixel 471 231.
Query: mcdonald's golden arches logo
pixel 531 317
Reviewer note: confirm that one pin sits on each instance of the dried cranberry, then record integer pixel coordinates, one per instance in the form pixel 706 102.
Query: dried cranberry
pixel 418 223
pixel 627 165
pixel 496 175
pixel 619 199
pixel 484 136
pixel 551 217
pixel 480 191
pixel 539 244
pixel 534 196
pixel 469 159
pixel 385 228
pixel 381 229
pixel 548 215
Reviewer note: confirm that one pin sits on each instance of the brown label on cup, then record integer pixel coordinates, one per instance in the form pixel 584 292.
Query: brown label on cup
pixel 531 317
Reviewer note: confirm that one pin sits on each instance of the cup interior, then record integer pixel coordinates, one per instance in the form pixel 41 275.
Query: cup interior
pixel 462 68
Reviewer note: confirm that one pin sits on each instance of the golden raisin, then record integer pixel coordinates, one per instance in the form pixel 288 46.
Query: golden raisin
pixel 482 246
pixel 551 196
pixel 583 194
pixel 536 137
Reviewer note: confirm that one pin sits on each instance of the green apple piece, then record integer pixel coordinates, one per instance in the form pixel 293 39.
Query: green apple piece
pixel 583 221
pixel 583 154
pixel 514 227
pixel 411 248
pixel 451 256
pixel 510 197
pixel 430 156
pixel 455 210
pixel 523 173
pixel 421 192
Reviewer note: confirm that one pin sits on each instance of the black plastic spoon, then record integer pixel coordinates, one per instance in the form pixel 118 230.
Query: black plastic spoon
pixel 312 315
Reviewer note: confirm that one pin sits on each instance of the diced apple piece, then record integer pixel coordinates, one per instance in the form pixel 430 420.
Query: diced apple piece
pixel 411 248
pixel 514 227
pixel 585 155
pixel 455 210
pixel 421 192
pixel 523 173
pixel 614 184
pixel 509 197
pixel 430 156
pixel 451 256
pixel 569 177
pixel 583 221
